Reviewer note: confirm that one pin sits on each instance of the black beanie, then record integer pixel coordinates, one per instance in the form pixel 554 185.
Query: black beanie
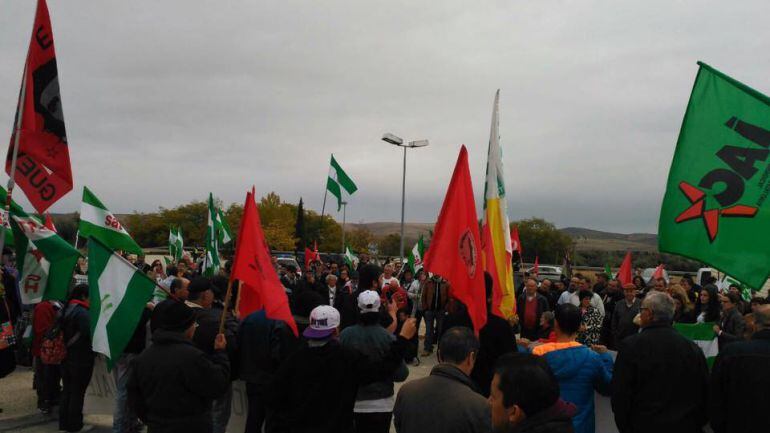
pixel 171 315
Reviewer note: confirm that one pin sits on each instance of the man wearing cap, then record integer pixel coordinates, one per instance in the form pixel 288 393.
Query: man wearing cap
pixel 315 388
pixel 173 383
pixel 374 402
pixel 201 300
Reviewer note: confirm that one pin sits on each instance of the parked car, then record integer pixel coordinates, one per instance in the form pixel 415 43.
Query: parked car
pixel 546 272
pixel 289 261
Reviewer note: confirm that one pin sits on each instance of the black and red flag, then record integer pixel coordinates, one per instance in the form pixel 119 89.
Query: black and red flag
pixel 43 163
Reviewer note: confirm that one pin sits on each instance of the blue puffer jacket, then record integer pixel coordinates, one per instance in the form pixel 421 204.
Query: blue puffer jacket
pixel 580 371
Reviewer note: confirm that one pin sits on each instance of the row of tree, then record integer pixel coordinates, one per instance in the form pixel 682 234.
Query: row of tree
pixel 290 227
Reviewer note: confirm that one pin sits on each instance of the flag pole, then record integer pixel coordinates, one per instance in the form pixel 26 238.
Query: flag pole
pixel 224 309
pixel 12 179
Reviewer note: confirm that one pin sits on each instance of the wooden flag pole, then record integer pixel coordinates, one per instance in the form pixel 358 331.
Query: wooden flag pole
pixel 227 302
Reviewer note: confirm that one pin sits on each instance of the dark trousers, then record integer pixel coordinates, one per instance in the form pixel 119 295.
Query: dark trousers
pixel 75 378
pixel 47 384
pixel 375 422
pixel 258 415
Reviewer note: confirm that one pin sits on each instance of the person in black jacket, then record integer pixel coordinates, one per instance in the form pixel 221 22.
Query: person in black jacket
pixel 207 317
pixel 315 388
pixel 79 364
pixel 264 344
pixel 172 383
pixel 739 382
pixel 495 339
pixel 731 325
pixel 660 382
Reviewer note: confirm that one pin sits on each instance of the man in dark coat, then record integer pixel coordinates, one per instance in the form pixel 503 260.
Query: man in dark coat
pixel 525 397
pixel 173 383
pixel 739 381
pixel 79 364
pixel 447 401
pixel 530 306
pixel 623 316
pixel 495 339
pixel 660 382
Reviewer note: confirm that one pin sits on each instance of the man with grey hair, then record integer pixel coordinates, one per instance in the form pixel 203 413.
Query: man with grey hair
pixel 453 403
pixel 740 379
pixel 660 382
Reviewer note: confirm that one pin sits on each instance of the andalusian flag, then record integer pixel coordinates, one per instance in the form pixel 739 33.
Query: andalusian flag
pixel 608 270
pixel 414 261
pixel 211 241
pixel 118 293
pixel 350 258
pixel 223 228
pixel 45 261
pixel 496 235
pixel 175 243
pixel 96 221
pixel 716 208
pixel 338 181
pixel 703 335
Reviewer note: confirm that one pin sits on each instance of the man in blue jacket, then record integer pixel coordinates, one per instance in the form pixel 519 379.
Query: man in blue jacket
pixel 578 369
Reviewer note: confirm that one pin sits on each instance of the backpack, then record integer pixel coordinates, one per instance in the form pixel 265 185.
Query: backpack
pixel 53 350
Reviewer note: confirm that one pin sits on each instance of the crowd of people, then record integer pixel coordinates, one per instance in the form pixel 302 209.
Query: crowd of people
pixel 536 371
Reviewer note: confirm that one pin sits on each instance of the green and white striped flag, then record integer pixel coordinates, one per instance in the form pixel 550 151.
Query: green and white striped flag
pixel 350 258
pixel 175 243
pixel 45 261
pixel 414 261
pixel 337 181
pixel 703 335
pixel 211 241
pixel 223 228
pixel 96 221
pixel 118 293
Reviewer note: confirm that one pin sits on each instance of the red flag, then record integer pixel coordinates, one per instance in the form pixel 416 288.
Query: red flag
pixel 43 168
pixel 658 272
pixel 536 269
pixel 260 287
pixel 308 257
pixel 625 273
pixel 49 223
pixel 455 248
pixel 515 242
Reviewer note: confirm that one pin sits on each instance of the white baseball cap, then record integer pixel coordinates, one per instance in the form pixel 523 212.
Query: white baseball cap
pixel 324 319
pixel 369 301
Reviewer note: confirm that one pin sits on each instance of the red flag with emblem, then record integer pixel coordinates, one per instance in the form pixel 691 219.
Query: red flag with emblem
pixel 455 248
pixel 260 287
pixel 43 168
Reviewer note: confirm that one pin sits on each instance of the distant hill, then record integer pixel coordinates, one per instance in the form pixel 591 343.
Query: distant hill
pixel 595 240
pixel 586 239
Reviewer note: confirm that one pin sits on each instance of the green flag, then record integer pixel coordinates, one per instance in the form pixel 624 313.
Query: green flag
pixel 715 209
pixel 211 241
pixel 118 293
pixel 703 335
pixel 45 261
pixel 414 261
pixel 608 270
pixel 98 222
pixel 350 258
pixel 175 243
pixel 338 181
pixel 223 228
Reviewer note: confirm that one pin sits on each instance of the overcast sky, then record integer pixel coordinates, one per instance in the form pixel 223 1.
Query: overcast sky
pixel 166 100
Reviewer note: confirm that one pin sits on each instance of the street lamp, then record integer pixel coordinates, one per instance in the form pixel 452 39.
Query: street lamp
pixel 398 141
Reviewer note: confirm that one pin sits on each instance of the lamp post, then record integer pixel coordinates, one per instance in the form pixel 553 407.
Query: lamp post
pixel 344 209
pixel 398 141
